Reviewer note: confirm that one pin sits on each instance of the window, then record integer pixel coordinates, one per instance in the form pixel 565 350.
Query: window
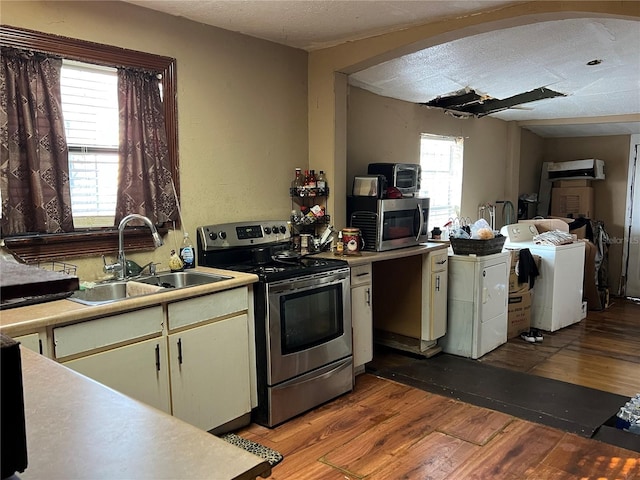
pixel 90 109
pixel 101 240
pixel 441 162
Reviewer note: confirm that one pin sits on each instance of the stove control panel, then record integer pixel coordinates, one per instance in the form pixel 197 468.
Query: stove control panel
pixel 243 234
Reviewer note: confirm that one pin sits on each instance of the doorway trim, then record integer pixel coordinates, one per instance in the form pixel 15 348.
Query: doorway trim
pixel 633 200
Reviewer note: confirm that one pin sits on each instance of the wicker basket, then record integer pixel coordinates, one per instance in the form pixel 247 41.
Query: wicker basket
pixel 467 246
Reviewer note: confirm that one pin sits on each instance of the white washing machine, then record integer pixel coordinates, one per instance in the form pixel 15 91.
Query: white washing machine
pixel 478 295
pixel 557 291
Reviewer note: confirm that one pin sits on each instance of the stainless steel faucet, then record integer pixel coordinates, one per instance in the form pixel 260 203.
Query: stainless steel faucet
pixel 121 266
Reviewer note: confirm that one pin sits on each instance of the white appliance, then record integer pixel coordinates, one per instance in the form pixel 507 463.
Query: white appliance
pixel 590 169
pixel 477 304
pixel 557 291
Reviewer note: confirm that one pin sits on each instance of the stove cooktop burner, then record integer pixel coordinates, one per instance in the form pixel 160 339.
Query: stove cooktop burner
pixel 281 270
pixel 253 247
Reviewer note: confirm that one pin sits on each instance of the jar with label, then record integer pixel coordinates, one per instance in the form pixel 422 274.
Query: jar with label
pixel 352 241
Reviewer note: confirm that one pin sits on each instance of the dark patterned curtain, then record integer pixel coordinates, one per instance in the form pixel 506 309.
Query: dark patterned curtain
pixel 34 168
pixel 144 184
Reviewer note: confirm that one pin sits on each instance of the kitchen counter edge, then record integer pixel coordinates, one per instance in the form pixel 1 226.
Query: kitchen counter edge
pixel 29 319
pixel 371 257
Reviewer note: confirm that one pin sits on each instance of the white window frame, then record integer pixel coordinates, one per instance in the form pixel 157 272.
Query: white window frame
pixel 90 110
pixel 441 162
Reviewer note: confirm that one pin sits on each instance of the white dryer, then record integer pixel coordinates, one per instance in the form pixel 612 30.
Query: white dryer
pixel 557 292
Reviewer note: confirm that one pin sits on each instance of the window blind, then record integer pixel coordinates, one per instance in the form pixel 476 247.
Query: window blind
pixel 90 109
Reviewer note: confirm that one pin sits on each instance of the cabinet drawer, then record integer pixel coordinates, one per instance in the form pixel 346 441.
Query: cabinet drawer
pixel 360 275
pixel 102 332
pixel 200 309
pixel 439 261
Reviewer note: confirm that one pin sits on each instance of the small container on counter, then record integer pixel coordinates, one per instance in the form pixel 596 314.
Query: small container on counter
pixel 352 241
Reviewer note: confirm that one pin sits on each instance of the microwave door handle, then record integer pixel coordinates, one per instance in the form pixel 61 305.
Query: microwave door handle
pixel 421 222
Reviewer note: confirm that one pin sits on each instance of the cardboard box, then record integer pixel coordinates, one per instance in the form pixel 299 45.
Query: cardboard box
pixel 572 202
pixel 572 183
pixel 514 285
pixel 519 313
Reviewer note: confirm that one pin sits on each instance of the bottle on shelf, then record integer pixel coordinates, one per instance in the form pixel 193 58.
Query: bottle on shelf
pixel 321 183
pixel 305 186
pixel 298 181
pixel 187 253
pixel 312 179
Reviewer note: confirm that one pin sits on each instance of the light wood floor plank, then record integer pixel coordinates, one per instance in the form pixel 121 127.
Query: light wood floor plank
pixel 593 371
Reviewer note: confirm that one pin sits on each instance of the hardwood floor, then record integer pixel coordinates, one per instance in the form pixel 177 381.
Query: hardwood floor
pixel 386 430
pixel 601 352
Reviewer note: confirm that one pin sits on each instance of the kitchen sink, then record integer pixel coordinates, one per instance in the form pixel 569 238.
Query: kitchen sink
pixel 101 293
pixel 114 291
pixel 181 279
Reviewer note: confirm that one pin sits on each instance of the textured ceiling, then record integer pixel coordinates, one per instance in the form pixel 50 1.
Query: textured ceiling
pixel 603 99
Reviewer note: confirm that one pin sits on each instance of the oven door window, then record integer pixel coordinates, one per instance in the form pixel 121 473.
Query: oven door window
pixel 400 224
pixel 311 317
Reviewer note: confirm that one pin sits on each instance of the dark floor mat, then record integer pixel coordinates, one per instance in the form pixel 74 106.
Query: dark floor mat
pixel 557 404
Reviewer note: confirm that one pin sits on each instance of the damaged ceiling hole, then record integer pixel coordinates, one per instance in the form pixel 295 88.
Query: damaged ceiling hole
pixel 467 101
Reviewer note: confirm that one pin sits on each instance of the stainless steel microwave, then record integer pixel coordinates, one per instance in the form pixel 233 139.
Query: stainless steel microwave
pixel 387 224
pixel 404 176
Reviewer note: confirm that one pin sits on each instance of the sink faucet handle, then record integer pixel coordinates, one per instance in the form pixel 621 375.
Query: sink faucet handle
pixel 110 267
pixel 151 266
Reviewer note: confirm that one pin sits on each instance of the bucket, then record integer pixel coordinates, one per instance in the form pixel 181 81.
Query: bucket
pixel 352 241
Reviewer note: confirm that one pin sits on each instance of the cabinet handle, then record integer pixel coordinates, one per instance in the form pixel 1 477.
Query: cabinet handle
pixel 40 345
pixel 368 297
pixel 157 357
pixel 180 351
pixel 437 283
pixel 442 262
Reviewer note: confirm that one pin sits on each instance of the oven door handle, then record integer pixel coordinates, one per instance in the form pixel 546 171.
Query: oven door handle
pixel 421 222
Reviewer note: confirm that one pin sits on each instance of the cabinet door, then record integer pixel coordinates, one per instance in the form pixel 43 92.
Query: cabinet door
pixel 493 291
pixel 362 324
pixel 138 370
pixel 438 304
pixel 30 341
pixel 210 372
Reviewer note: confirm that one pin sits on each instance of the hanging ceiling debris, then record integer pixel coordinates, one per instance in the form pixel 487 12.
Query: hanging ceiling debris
pixel 469 102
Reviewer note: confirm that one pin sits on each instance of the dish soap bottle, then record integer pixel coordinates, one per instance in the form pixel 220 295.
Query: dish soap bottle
pixel 187 253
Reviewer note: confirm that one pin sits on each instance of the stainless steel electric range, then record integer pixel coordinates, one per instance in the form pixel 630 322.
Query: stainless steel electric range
pixel 302 312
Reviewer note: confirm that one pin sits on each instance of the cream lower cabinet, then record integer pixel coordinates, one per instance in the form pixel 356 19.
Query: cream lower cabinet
pixel 209 357
pixel 361 316
pixel 210 372
pixel 139 370
pixel 117 351
pixel 435 281
pixel 190 358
